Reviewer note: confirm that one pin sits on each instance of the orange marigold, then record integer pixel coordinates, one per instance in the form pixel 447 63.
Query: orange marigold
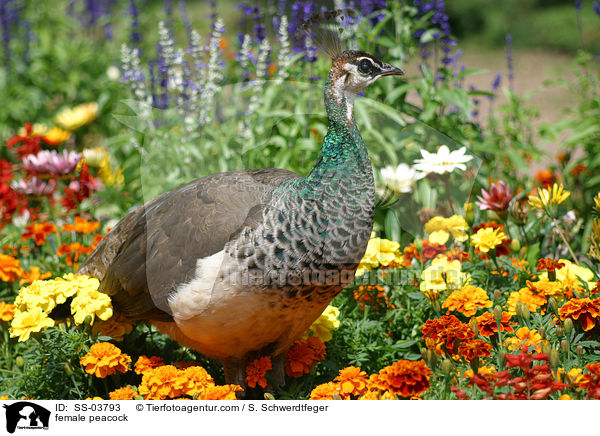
pixel 145 363
pixel 125 393
pixel 38 231
pixel 467 300
pixel 525 296
pixel 7 311
pixel 524 338
pixel 448 330
pixel 352 381
pixel 303 355
pixel 10 268
pixel 81 225
pixel 256 370
pixel 72 252
pixel 196 380
pixel 486 324
pixel 373 297
pixel 225 392
pixel 404 378
pixel 583 309
pixel 326 391
pixel 474 348
pixel 105 359
pixel 33 275
pixel 161 383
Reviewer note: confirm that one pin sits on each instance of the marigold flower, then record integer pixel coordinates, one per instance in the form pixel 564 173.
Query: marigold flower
pixel 373 296
pixel 487 326
pixel 144 364
pixel 81 225
pixel 39 232
pixel 497 199
pixel 545 177
pixel 33 275
pixel 549 264
pixel 325 323
pixel 573 376
pixel 524 338
pixel 525 296
pixel 467 300
pixel 474 348
pixel 196 380
pixel 429 250
pixel 352 381
pixel 72 252
pixel 7 311
pixel 487 239
pixel 547 288
pixel 56 136
pixel 571 276
pixel 115 327
pixel 161 383
pixel 91 303
pixel 404 378
pixel 442 275
pixel 583 309
pixel 124 393
pixel 27 322
pixel 449 331
pixel 10 268
pixel 379 252
pixel 30 140
pixel 326 391
pixel 73 119
pixel 225 392
pixel 256 370
pixel 482 371
pixel 439 229
pixel 105 359
pixel 303 355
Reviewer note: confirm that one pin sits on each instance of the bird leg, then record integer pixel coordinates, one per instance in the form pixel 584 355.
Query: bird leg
pixel 235 371
pixel 278 374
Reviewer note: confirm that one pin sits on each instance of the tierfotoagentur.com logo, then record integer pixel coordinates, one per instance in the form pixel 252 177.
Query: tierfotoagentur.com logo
pixel 25 415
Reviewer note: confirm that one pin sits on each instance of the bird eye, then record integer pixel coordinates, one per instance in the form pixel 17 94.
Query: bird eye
pixel 364 66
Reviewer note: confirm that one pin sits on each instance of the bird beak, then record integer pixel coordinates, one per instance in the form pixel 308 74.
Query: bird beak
pixel 389 70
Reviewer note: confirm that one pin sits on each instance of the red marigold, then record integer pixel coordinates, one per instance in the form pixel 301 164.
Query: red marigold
pixel 39 231
pixel 256 370
pixel 30 142
pixel 549 264
pixel 404 378
pixel 474 348
pixel 429 250
pixel 448 330
pixel 487 326
pixel 583 309
pixel 303 355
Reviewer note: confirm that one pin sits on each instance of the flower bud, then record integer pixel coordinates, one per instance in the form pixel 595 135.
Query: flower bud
pixel 269 396
pixel 542 332
pixel 502 357
pixel 469 214
pixel 579 350
pixel 525 314
pixel 20 362
pixel 559 331
pixel 554 358
pixel 497 294
pixel 446 366
pixel 473 325
pixel 552 275
pixel 68 369
pixel 519 309
pixel 418 244
pixel 546 346
pixel 498 313
pixel 568 324
pixel 515 245
pixel 424 354
pixel 564 346
pixel 552 304
pixel 431 358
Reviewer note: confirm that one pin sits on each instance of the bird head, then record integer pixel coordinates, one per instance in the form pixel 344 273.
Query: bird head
pixel 359 70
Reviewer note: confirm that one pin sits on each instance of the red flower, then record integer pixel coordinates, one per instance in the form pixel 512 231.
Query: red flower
pixel 474 348
pixel 39 231
pixel 303 355
pixel 497 199
pixel 31 143
pixel 448 331
pixel 486 324
pixel 549 264
pixel 583 309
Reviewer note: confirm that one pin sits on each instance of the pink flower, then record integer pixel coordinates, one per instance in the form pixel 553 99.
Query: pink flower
pixel 497 199
pixel 34 186
pixel 52 162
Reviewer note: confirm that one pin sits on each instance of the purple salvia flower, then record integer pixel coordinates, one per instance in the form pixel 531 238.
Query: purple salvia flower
pixel 596 6
pixel 578 4
pixel 134 35
pixel 495 86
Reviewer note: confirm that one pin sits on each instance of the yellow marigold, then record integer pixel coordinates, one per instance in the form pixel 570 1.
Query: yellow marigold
pixel 527 297
pixel 3 397
pixel 439 229
pixel 352 381
pixel 482 370
pixel 56 135
pixel 95 398
pixel 73 119
pixel 573 376
pixel 442 275
pixel 7 311
pixel 91 303
pixel 144 364
pixel 10 268
pixel 105 359
pixel 547 288
pixel 549 197
pixel 569 276
pixel 487 238
pixel 325 323
pixel 196 380
pixel 125 393
pixel 29 321
pixel 162 382
pixel 225 392
pixel 565 397
pixel 115 327
pixel 524 338
pixel 467 300
pixel 326 391
pixel 256 370
pixel 380 252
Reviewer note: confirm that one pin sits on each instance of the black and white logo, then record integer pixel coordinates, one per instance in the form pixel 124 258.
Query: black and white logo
pixel 26 415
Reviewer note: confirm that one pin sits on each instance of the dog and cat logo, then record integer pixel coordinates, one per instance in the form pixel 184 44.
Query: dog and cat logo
pixel 26 415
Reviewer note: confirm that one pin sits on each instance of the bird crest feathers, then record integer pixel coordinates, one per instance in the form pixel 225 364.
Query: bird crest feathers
pixel 325 29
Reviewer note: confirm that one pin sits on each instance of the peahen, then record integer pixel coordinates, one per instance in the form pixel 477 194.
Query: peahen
pixel 238 265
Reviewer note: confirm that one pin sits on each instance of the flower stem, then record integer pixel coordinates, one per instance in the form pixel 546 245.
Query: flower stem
pixel 562 235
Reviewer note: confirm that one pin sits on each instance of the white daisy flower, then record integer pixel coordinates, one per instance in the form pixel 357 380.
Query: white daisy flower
pixel 400 179
pixel 444 161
